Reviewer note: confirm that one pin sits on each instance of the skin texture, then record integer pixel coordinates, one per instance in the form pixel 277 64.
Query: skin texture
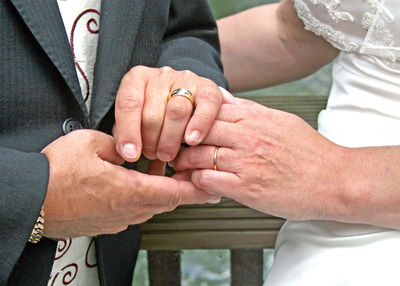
pixel 98 196
pixel 268 168
pixel 273 161
pixel 268 45
pixel 146 122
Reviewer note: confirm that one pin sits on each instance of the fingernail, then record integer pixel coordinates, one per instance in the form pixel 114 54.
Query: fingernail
pixel 171 164
pixel 165 157
pixel 150 155
pixel 130 150
pixel 195 136
pixel 214 200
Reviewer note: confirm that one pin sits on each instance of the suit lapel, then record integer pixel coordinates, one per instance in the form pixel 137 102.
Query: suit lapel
pixel 45 23
pixel 119 24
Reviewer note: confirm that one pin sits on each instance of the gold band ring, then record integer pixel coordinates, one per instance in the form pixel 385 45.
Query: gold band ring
pixel 215 158
pixel 182 92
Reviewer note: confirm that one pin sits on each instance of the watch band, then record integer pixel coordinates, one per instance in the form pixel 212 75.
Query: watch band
pixel 37 231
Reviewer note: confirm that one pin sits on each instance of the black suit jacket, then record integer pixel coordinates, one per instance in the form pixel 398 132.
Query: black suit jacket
pixel 39 89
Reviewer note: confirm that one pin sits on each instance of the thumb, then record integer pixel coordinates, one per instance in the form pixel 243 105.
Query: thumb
pixel 227 96
pixel 106 149
pixel 217 183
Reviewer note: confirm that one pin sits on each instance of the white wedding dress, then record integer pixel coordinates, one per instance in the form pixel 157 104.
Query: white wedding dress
pixel 363 110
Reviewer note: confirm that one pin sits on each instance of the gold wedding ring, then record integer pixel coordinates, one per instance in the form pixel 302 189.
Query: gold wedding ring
pixel 215 158
pixel 182 92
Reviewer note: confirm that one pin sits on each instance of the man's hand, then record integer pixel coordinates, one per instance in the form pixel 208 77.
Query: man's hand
pixel 89 193
pixel 146 122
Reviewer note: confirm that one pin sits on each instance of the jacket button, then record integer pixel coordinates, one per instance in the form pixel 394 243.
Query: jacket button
pixel 70 124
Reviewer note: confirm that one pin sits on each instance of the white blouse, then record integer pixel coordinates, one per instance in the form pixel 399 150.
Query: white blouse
pixel 368 27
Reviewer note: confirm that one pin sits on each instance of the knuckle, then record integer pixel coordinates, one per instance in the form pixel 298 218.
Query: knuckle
pixel 86 136
pixel 210 94
pixel 204 118
pixel 194 156
pixel 129 103
pixel 165 71
pixel 151 121
pixel 173 202
pixel 188 74
pixel 179 108
pixel 202 181
pixel 137 69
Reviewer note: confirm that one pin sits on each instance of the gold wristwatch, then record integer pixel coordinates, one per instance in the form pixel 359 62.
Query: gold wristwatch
pixel 37 231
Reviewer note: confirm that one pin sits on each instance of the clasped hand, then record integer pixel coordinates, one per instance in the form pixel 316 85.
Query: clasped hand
pixel 269 160
pixel 90 193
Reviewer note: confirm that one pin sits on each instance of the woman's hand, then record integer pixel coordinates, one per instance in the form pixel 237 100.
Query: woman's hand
pixel 269 160
pixel 146 121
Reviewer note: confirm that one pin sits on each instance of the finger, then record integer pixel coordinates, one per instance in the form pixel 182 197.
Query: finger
pixel 167 192
pixel 128 113
pixel 208 102
pixel 218 183
pixel 225 134
pixel 154 110
pixel 235 113
pixel 227 96
pixel 202 157
pixel 244 102
pixel 103 145
pixel 179 110
pixel 108 152
pixel 185 194
pixel 157 167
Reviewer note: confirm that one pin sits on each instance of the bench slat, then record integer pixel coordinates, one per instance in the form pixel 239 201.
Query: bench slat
pixel 231 239
pixel 211 212
pixel 215 224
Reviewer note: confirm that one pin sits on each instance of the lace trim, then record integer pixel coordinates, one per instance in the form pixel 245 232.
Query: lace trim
pixel 336 38
pixel 331 6
pixel 380 40
pixel 368 17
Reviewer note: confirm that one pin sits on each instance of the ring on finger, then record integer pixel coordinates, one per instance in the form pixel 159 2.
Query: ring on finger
pixel 215 157
pixel 182 92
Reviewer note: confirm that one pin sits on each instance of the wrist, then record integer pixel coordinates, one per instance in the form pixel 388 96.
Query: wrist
pixel 352 192
pixel 341 184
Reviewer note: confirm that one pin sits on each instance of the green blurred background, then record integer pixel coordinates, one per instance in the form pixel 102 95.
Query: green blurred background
pixel 212 267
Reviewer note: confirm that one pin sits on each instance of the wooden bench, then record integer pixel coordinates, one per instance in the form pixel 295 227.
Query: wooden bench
pixel 228 225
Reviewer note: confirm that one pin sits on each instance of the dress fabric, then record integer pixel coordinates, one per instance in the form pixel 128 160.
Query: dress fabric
pixel 363 110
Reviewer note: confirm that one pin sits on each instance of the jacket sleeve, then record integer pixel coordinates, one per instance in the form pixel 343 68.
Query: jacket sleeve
pixel 191 41
pixel 23 184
